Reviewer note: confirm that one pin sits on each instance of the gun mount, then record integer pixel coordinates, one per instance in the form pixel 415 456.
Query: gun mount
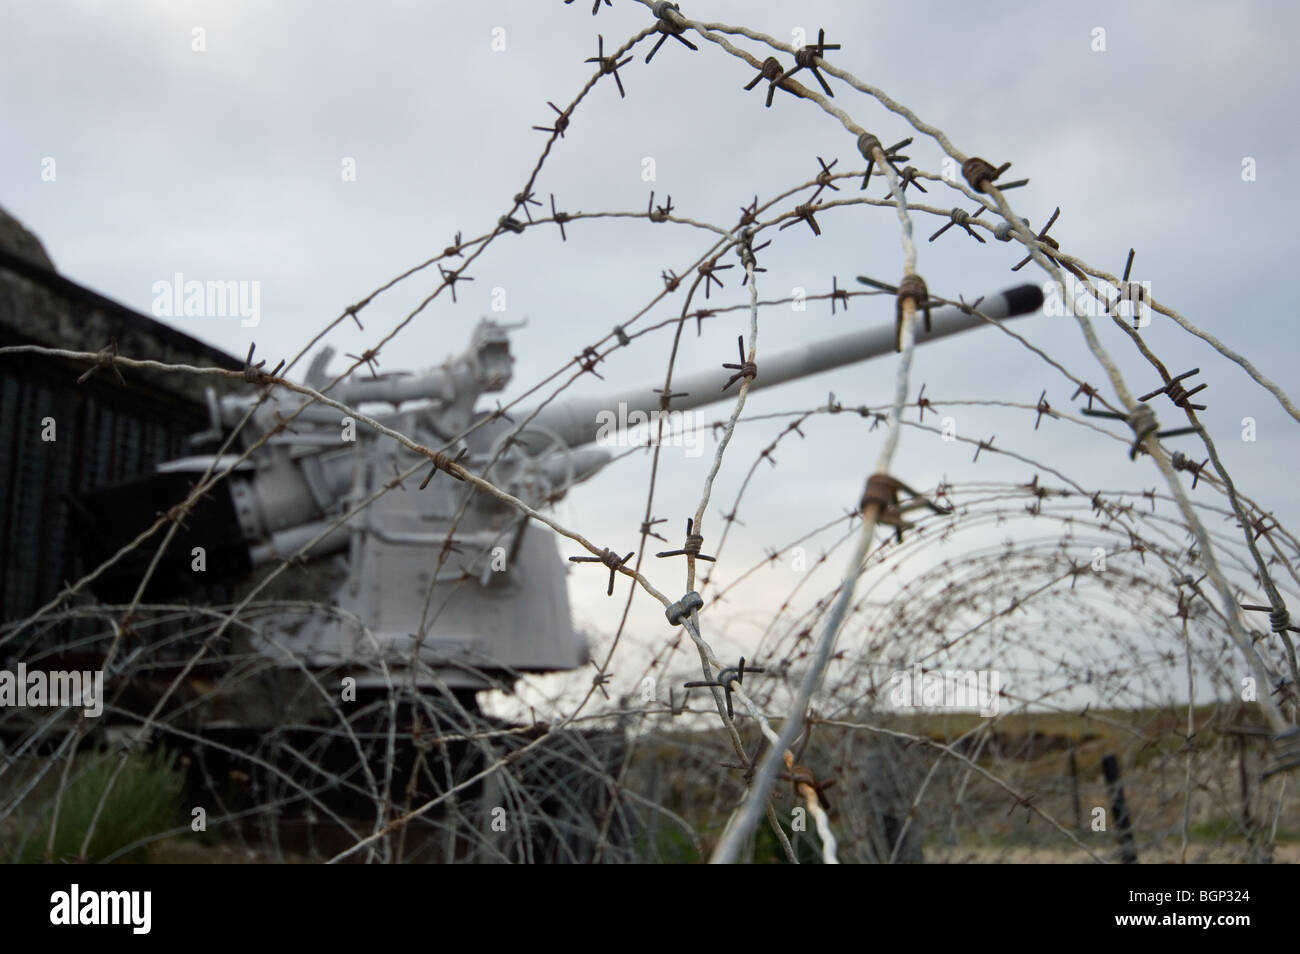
pixel 497 605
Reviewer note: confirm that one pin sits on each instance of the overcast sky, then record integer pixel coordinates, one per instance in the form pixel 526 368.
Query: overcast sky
pixel 228 163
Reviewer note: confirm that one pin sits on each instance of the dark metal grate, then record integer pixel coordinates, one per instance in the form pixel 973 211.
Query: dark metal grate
pixel 100 440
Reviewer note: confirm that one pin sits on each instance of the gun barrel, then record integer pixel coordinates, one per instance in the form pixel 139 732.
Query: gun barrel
pixel 578 422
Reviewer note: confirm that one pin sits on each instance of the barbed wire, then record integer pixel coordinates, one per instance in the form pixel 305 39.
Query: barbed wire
pixel 585 780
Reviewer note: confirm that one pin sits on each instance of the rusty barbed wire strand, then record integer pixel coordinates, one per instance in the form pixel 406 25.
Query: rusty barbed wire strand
pixel 743 821
pixel 1113 517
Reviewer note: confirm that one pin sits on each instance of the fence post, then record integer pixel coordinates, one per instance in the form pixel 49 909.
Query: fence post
pixel 1119 807
pixel 1074 789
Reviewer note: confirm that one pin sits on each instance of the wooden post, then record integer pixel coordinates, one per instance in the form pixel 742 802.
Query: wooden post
pixel 1119 807
pixel 1246 824
pixel 1257 850
pixel 1074 789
